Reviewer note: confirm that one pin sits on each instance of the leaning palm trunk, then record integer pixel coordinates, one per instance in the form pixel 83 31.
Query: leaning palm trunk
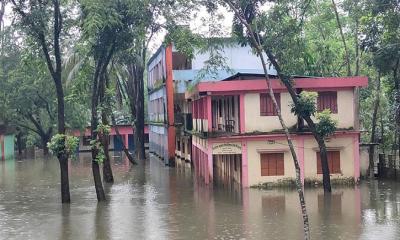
pixel 126 150
pixel 299 184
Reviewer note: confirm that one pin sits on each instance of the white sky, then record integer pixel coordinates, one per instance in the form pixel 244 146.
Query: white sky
pixel 197 25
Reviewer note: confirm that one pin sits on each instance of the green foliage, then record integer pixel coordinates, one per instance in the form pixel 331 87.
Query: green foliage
pixel 103 129
pixel 325 126
pixel 306 104
pixel 96 144
pixel 184 40
pixel 61 144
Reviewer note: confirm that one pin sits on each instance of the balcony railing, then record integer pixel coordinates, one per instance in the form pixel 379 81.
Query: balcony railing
pixel 184 119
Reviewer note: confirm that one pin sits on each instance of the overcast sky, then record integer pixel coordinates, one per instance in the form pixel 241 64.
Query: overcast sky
pixel 197 25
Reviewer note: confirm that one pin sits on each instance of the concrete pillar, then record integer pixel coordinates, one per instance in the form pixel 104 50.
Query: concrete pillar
pixel 245 168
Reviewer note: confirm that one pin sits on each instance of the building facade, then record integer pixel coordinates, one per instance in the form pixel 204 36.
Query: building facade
pixel 237 135
pixel 116 142
pixel 170 74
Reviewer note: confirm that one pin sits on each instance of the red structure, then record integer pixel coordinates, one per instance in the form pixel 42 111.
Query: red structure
pixel 126 131
pixel 237 135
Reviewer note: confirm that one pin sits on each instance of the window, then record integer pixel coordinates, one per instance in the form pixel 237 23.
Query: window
pixel 272 164
pixel 267 107
pixel 333 162
pixel 180 61
pixel 327 100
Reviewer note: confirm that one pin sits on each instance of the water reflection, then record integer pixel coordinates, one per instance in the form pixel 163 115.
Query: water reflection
pixel 150 201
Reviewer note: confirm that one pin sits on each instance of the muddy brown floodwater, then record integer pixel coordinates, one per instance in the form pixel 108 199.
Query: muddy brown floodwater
pixel 151 201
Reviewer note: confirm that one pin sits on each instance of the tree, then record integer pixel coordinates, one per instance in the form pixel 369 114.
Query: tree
pixel 30 101
pixel 149 15
pixel 284 17
pixel 380 25
pixel 108 29
pixel 43 21
pixel 244 14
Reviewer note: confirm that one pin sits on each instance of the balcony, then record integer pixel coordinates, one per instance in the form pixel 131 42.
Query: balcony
pixel 225 114
pixel 185 120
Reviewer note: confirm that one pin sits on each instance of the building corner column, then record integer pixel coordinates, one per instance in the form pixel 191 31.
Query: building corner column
pixel 169 83
pixel 242 117
pixel 209 114
pixel 210 166
pixel 245 167
pixel 356 149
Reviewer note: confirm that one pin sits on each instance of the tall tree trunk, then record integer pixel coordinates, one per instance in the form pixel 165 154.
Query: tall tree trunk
pixel 94 124
pixel 107 170
pixel 19 143
pixel 45 148
pixel 62 158
pixel 139 123
pixel 373 128
pixel 326 179
pixel 346 50
pixel 54 65
pixel 299 184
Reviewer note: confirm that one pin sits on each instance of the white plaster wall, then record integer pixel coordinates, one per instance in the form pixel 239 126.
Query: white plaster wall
pixel 254 148
pixel 255 122
pixel 344 144
pixel 237 57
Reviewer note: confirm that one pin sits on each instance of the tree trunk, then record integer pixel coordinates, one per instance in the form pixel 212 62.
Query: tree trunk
pixel 94 122
pixel 373 128
pixel 45 139
pixel 125 149
pixel 107 170
pixel 65 195
pixel 347 55
pixel 139 123
pixel 54 65
pixel 326 179
pixel 63 158
pixel 104 137
pixel 19 143
pixel 299 184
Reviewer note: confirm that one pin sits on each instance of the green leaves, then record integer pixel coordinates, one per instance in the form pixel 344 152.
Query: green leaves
pixel 61 144
pixel 325 126
pixel 306 104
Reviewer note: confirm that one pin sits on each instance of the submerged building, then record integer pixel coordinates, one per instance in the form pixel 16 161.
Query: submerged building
pixel 116 142
pixel 7 142
pixel 237 135
pixel 170 74
pixel 226 125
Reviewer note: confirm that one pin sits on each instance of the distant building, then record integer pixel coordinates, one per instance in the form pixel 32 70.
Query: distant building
pixel 116 142
pixel 170 73
pixel 237 135
pixel 7 142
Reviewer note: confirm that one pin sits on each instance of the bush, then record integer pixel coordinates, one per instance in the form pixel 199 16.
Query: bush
pixel 61 144
pixel 326 125
pixel 306 106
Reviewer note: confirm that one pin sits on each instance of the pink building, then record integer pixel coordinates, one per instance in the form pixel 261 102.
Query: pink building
pixel 116 142
pixel 237 134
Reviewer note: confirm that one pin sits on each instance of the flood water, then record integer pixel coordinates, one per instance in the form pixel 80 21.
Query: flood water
pixel 151 201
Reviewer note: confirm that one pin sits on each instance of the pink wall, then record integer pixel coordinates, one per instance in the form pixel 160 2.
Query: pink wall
pixel 123 130
pixel 261 85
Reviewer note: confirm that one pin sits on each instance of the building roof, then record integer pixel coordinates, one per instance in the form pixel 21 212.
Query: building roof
pixel 259 85
pixel 257 74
